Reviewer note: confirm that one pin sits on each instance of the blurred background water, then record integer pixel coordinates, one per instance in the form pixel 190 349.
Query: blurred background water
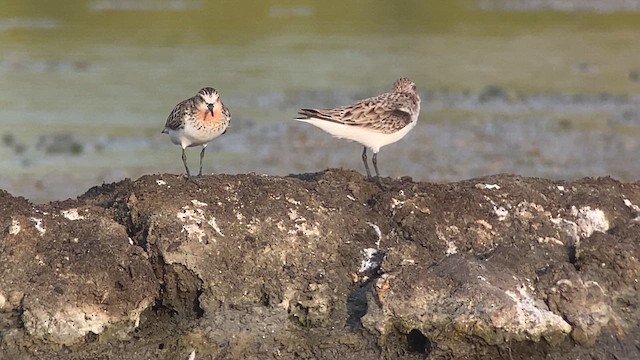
pixel 539 88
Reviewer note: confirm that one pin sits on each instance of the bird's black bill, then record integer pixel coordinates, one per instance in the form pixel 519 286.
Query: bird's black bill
pixel 210 107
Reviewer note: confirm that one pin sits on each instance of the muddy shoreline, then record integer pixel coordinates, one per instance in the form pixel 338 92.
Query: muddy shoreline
pixel 323 265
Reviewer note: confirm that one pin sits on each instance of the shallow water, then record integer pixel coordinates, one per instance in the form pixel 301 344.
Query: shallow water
pixel 87 86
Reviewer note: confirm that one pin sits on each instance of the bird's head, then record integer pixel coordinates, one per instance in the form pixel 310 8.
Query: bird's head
pixel 208 98
pixel 404 85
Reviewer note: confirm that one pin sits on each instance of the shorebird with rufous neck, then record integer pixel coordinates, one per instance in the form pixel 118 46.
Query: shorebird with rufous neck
pixel 197 121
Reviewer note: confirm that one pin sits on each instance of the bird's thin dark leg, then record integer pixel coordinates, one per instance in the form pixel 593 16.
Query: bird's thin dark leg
pixel 184 161
pixel 201 157
pixel 374 160
pixel 375 164
pixel 366 165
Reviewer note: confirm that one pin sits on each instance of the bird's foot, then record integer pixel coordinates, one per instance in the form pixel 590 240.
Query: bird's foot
pixel 196 180
pixel 377 180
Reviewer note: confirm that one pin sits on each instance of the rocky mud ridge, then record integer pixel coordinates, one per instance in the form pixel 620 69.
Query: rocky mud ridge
pixel 323 266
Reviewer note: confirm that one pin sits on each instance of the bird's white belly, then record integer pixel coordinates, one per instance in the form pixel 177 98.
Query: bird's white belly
pixel 192 136
pixel 371 139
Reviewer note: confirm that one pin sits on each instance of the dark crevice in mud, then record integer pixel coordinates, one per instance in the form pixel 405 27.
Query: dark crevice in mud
pixel 136 232
pixel 197 309
pixel 91 337
pixel 137 229
pixel 411 345
pixel 156 311
pixel 357 303
pixel 571 254
pixel 119 199
pixel 140 238
pixel 180 291
pixel 418 343
pixel 265 297
pixel 180 288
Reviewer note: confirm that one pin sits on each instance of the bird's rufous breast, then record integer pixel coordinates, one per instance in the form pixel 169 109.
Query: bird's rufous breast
pixel 218 116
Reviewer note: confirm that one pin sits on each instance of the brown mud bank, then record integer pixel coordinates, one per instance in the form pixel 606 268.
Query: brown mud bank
pixel 323 266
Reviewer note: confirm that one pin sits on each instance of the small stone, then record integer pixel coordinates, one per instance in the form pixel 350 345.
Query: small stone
pixel 15 297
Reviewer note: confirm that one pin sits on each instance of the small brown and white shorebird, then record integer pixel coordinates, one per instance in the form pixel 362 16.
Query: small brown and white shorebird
pixel 197 121
pixel 373 122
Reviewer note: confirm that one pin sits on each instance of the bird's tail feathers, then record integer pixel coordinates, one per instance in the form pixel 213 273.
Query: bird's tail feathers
pixel 306 114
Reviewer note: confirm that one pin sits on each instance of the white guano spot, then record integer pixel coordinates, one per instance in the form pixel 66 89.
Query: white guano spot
pixel 500 212
pixel 212 222
pixel 531 317
pixel 292 201
pixel 451 245
pixel 560 187
pixel 395 203
pixel 198 203
pixel 72 214
pixel 549 240
pixel 376 228
pixel 630 205
pixel 633 207
pixel 194 230
pixel 194 220
pixel 293 214
pixel 161 182
pixel 589 220
pixel 451 248
pixel 14 228
pixel 369 261
pixel 38 225
pixel 487 186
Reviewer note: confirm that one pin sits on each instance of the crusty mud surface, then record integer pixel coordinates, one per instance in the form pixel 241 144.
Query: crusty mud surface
pixel 323 266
